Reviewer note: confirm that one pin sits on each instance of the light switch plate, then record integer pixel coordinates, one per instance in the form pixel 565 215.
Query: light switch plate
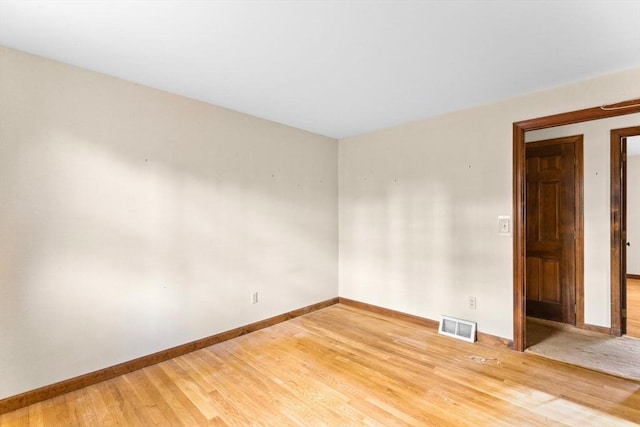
pixel 504 225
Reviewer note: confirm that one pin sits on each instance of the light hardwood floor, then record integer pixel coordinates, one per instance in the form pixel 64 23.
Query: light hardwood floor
pixel 342 366
pixel 633 308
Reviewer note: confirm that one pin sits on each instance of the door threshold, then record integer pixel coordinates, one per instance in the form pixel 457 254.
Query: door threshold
pixel 559 326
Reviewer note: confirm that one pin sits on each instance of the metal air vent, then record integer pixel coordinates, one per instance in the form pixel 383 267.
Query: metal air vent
pixel 457 328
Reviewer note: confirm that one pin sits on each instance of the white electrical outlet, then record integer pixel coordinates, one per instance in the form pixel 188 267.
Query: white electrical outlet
pixel 254 297
pixel 472 303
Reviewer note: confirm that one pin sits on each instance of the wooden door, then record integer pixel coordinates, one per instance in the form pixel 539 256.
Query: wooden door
pixel 551 228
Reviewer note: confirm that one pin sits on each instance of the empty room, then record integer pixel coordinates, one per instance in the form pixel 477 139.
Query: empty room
pixel 319 213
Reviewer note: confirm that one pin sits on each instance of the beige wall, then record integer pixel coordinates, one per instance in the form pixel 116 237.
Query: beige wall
pixel 133 220
pixel 419 206
pixel 597 212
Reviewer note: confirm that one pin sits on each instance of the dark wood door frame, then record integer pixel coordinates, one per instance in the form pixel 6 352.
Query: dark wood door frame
pixel 618 214
pixel 519 193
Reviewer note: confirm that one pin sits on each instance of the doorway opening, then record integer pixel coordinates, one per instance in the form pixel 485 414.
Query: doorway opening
pixel 519 196
pixel 625 205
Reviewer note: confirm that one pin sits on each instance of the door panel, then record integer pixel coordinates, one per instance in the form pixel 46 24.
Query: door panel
pixel 550 280
pixel 551 229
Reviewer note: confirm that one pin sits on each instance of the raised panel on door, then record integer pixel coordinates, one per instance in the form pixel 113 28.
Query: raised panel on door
pixel 550 291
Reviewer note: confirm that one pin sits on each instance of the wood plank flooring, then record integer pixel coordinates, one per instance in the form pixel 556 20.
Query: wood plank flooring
pixel 633 308
pixel 343 366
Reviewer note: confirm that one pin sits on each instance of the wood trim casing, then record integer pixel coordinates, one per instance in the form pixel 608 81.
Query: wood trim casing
pixel 616 228
pixel 594 113
pixel 428 323
pixel 519 239
pixel 519 204
pixel 50 391
pixel 633 276
pixel 618 291
pixel 579 248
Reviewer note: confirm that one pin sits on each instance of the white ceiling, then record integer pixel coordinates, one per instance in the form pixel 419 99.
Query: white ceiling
pixel 337 68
